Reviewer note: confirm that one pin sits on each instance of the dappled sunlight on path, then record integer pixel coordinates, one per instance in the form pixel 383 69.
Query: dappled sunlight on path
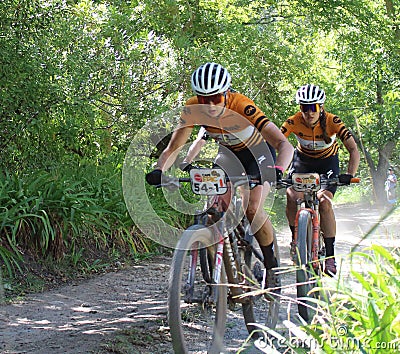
pixel 77 318
pixel 354 223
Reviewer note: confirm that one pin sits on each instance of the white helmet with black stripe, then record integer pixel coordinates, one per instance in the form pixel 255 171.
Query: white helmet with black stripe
pixel 210 79
pixel 310 94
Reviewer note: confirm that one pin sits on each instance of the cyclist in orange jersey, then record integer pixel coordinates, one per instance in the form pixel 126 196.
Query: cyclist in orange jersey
pixel 317 151
pixel 241 130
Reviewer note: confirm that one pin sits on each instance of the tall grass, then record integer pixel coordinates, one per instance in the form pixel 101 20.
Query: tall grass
pixel 356 193
pixel 60 213
pixel 361 315
pixel 358 312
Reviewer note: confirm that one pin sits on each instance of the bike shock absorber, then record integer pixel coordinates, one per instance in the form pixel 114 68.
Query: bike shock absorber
pixel 316 234
pixel 228 253
pixel 231 268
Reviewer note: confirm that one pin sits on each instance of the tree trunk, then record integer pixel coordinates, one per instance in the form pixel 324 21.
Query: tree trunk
pixel 379 171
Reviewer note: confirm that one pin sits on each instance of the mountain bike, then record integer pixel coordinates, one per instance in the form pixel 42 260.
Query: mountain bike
pixel 216 266
pixel 308 237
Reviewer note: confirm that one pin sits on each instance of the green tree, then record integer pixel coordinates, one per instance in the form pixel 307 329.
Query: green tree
pixel 366 61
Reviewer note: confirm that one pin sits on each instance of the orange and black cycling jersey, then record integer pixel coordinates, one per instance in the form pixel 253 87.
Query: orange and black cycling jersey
pixel 310 140
pixel 237 128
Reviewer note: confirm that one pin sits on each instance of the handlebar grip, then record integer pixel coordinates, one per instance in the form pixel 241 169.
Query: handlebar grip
pixel 355 180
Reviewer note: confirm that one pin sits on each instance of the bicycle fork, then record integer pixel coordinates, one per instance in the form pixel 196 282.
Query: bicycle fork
pixel 315 232
pixel 189 286
pixel 218 258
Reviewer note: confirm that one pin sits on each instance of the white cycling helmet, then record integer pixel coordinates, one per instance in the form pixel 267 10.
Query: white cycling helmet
pixel 310 94
pixel 210 79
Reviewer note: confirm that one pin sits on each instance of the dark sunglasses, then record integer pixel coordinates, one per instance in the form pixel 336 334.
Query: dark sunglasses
pixel 213 98
pixel 313 107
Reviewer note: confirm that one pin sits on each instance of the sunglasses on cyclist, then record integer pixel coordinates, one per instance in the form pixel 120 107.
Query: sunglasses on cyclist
pixel 313 107
pixel 211 99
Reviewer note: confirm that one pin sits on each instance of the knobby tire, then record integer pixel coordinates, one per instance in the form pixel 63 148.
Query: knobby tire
pixel 176 305
pixel 304 272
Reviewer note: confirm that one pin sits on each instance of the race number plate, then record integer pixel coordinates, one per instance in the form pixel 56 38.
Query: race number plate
pixel 306 181
pixel 208 181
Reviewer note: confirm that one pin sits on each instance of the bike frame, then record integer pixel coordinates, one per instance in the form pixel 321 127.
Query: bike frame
pixel 223 255
pixel 310 203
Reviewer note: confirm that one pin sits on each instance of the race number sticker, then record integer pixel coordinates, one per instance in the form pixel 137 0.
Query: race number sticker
pixel 306 181
pixel 208 181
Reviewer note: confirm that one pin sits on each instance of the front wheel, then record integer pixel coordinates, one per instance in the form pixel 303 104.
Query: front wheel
pixel 196 308
pixel 305 273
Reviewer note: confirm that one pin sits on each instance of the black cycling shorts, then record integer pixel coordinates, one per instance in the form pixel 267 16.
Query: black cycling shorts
pixel 303 164
pixel 253 161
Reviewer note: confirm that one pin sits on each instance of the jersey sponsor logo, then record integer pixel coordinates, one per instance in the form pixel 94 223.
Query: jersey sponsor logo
pixel 249 110
pixel 261 159
pixel 230 139
pixel 315 144
pixel 198 178
pixel 337 120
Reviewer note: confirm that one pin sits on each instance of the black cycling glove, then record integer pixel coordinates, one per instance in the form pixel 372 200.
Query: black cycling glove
pixel 345 178
pixel 279 174
pixel 154 177
pixel 274 174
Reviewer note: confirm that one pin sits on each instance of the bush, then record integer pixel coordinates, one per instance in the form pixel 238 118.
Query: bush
pixel 358 314
pixel 63 212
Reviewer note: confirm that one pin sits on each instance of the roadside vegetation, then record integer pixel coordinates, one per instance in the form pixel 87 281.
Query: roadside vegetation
pixel 64 223
pixel 356 312
pixel 79 79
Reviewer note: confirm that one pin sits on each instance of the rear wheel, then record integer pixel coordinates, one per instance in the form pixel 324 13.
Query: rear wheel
pixel 194 305
pixel 305 274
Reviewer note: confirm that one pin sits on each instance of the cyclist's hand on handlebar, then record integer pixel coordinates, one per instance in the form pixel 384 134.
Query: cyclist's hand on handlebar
pixel 279 174
pixel 274 173
pixel 154 177
pixel 186 166
pixel 345 178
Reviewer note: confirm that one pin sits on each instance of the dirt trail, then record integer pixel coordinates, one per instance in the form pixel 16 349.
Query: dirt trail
pixel 88 316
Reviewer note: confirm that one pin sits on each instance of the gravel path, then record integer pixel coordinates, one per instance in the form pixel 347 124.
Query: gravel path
pixel 125 311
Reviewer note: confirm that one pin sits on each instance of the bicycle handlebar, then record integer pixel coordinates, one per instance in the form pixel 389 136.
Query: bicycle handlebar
pixel 175 182
pixel 333 181
pixel 355 180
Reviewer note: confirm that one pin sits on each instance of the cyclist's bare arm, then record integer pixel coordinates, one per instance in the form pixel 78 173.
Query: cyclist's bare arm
pixel 281 144
pixel 169 155
pixel 196 146
pixel 351 146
